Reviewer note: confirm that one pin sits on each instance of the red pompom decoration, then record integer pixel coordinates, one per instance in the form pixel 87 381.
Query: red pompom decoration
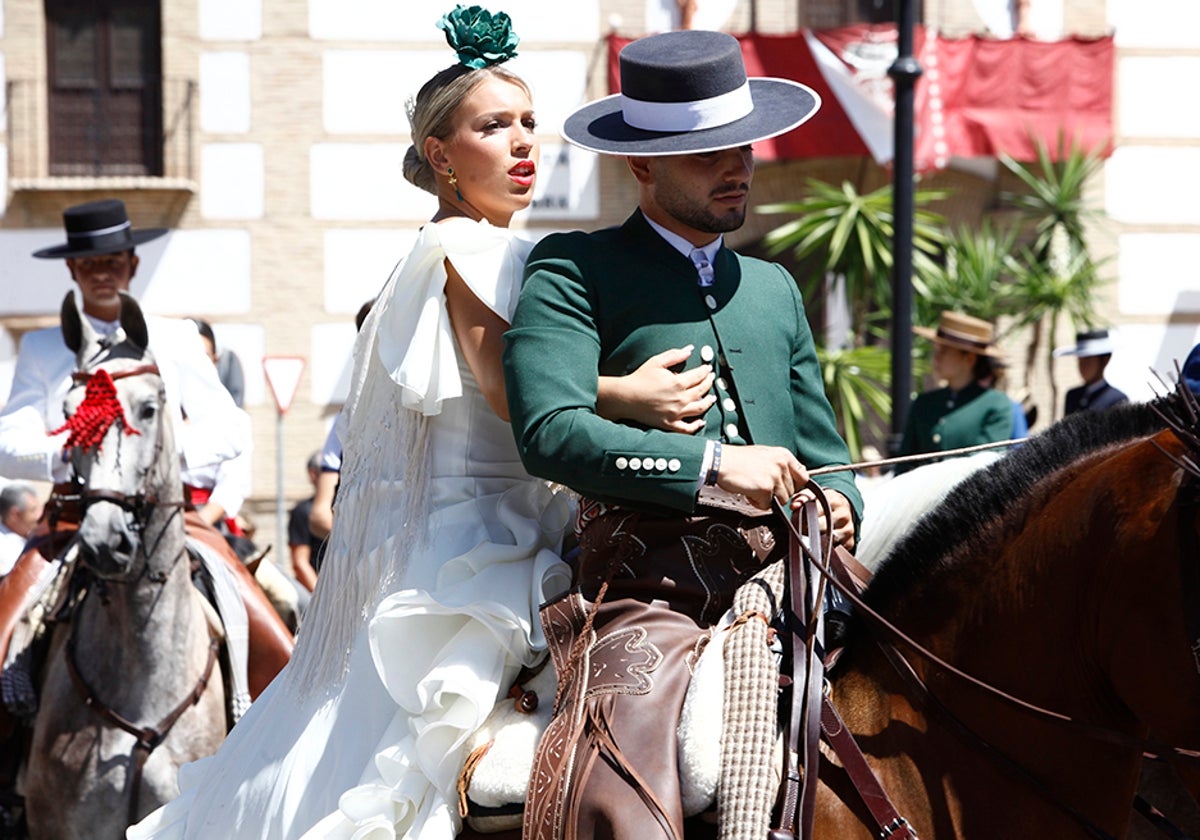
pixel 98 411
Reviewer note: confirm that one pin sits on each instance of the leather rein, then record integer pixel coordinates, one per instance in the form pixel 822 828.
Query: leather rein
pixel 139 505
pixel 805 556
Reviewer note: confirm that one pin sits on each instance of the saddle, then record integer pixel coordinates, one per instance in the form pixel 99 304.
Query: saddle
pixel 734 692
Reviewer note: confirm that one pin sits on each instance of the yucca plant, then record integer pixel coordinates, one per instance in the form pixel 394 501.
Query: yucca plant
pixel 857 383
pixel 851 233
pixel 1055 197
pixel 1057 274
pixel 976 276
pixel 1047 293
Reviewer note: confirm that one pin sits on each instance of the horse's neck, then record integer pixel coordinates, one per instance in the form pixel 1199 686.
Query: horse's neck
pixel 142 627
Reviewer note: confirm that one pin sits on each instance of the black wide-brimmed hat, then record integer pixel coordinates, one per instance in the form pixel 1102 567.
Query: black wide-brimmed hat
pixel 687 92
pixel 98 227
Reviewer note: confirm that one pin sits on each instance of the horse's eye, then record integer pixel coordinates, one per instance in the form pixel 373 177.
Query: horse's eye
pixel 147 411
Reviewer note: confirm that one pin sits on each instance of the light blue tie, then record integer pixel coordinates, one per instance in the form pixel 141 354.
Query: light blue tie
pixel 703 267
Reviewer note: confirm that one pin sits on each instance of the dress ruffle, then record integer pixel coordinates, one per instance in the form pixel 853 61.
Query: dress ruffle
pixel 478 627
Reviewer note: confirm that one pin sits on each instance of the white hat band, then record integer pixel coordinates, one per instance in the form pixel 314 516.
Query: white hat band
pixel 101 231
pixel 688 116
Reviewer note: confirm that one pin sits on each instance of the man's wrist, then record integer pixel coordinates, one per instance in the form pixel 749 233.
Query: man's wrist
pixel 714 465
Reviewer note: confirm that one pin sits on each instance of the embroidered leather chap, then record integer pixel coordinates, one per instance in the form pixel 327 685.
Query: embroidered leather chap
pixel 607 764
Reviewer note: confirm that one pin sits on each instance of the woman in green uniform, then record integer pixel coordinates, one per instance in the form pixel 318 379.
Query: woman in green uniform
pixel 963 413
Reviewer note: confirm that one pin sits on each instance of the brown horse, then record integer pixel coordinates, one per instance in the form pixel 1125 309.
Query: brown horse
pixel 130 691
pixel 1066 575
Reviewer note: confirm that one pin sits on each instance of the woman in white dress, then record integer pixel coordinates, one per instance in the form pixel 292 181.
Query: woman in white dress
pixel 442 547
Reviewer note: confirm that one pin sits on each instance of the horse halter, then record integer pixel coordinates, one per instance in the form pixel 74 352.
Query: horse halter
pixel 90 424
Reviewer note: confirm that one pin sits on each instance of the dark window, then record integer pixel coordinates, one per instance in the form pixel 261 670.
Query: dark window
pixel 105 87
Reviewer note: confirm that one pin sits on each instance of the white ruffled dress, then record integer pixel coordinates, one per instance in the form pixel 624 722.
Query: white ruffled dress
pixel 426 606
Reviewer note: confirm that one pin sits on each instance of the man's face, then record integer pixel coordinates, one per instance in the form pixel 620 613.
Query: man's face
pixel 101 278
pixel 22 520
pixel 704 194
pixel 1091 368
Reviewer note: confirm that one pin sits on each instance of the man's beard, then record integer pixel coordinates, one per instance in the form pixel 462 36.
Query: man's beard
pixel 702 219
pixel 698 217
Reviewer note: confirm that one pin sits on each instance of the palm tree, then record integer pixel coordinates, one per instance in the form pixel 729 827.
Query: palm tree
pixel 851 233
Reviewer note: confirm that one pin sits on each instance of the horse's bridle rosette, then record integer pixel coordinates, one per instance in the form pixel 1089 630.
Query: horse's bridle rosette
pixel 98 411
pixel 479 38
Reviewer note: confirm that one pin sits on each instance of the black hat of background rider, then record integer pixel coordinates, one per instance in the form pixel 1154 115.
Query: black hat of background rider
pixel 687 92
pixel 98 227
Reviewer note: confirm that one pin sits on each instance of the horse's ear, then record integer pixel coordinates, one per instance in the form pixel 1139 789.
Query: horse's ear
pixel 134 322
pixel 73 324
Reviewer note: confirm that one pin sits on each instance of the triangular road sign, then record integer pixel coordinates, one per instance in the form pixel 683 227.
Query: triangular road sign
pixel 283 376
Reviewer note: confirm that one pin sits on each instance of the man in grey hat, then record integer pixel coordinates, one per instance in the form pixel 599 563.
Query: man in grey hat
pixel 100 254
pixel 669 523
pixel 1092 350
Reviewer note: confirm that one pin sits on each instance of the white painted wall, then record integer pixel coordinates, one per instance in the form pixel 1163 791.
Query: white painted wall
pixel 1153 185
pixel 231 181
pixel 200 271
pixel 225 92
pixel 415 20
pixel 230 20
pixel 365 91
pixel 358 263
pixel 364 182
pixel 1158 273
pixel 1155 23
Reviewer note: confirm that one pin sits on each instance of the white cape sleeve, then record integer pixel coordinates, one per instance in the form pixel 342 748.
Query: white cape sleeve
pixel 414 340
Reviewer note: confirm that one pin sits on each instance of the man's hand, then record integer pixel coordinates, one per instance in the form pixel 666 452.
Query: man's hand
pixel 761 473
pixel 843 515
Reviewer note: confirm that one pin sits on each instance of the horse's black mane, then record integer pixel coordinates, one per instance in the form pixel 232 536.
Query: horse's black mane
pixel 985 494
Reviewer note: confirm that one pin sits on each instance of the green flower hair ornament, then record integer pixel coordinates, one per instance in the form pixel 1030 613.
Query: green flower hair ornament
pixel 480 38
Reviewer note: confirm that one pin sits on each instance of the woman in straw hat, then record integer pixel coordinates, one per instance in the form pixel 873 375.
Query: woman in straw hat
pixel 963 412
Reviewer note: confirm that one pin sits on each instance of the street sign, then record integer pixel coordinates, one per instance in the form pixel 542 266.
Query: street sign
pixel 283 376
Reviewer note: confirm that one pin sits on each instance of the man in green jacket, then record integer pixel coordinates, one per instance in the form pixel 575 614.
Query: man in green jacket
pixel 669 523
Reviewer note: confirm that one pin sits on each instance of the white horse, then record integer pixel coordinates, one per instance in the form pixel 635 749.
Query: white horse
pixel 130 690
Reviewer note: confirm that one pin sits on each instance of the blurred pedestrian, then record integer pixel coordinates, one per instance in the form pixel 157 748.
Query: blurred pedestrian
pixel 962 412
pixel 320 518
pixel 1093 350
pixel 229 366
pixel 20 510
pixel 305 547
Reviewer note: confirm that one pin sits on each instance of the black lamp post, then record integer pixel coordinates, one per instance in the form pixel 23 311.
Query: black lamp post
pixel 904 72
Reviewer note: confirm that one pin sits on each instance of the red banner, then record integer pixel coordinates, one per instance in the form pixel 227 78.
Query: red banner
pixel 976 97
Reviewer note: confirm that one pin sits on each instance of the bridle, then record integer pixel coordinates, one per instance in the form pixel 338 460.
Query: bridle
pixel 140 505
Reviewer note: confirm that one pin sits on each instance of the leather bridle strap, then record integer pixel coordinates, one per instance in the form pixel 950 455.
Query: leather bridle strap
pixel 998 757
pixel 148 738
pixel 883 811
pixel 812 711
pixel 802 750
pixel 84 375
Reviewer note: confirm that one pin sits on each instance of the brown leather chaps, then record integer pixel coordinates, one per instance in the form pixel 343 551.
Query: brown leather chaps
pixel 607 765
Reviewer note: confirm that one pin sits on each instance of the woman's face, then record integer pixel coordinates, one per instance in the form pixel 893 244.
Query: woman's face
pixel 493 151
pixel 952 365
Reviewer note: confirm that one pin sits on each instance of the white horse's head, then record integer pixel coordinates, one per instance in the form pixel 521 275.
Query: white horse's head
pixel 121 444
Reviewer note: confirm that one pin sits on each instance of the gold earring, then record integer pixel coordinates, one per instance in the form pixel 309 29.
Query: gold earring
pixel 454 182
